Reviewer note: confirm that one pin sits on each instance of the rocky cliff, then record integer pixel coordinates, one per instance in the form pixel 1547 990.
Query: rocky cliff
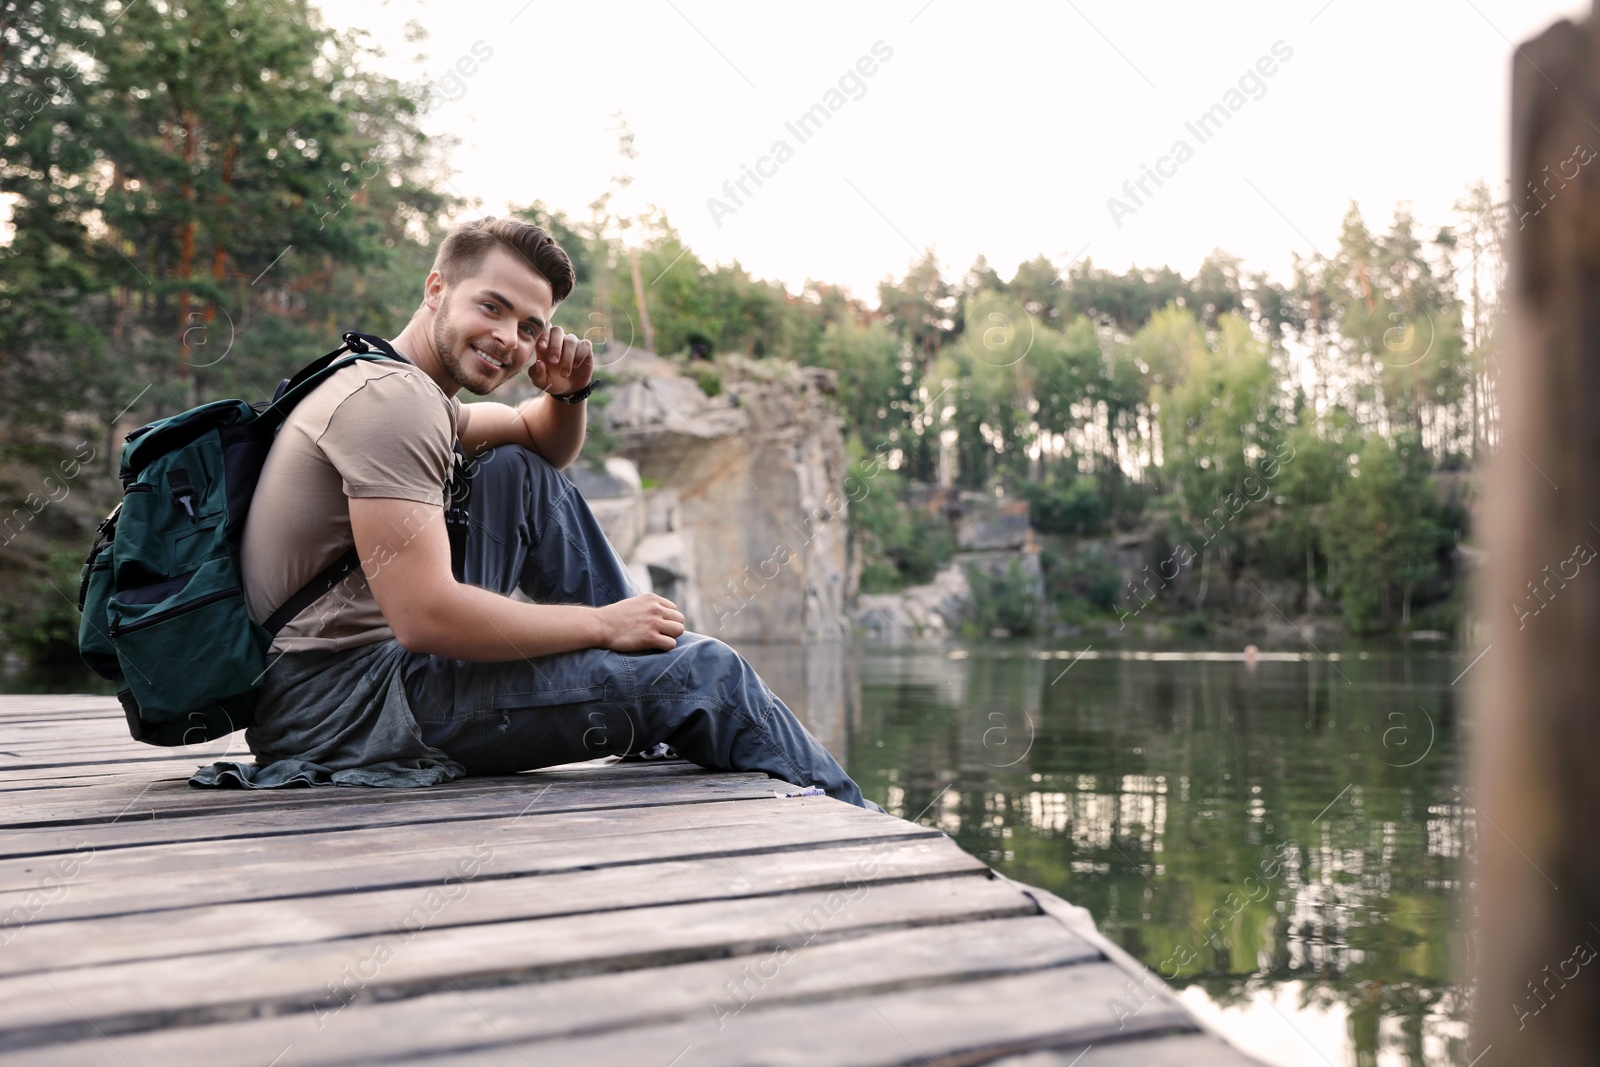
pixel 736 510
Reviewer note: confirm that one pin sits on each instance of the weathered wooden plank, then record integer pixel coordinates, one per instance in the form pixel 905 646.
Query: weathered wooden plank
pixel 33 756
pixel 165 876
pixel 181 771
pixel 46 737
pixel 113 756
pixel 66 724
pixel 232 824
pixel 68 731
pixel 1081 923
pixel 36 753
pixel 170 805
pixel 71 1003
pixel 23 753
pixel 63 777
pixel 26 750
pixel 953 1024
pixel 77 730
pixel 98 774
pixel 526 820
pixel 73 737
pixel 366 1030
pixel 225 927
pixel 59 704
pixel 63 735
pixel 1150 1050
pixel 76 705
pixel 89 771
pixel 1141 982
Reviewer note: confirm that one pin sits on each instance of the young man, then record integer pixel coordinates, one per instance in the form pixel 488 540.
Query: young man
pixel 401 675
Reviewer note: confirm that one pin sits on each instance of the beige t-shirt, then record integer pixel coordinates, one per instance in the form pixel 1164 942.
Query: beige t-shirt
pixel 372 430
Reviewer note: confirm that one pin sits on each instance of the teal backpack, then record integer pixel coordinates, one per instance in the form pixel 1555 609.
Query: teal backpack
pixel 161 596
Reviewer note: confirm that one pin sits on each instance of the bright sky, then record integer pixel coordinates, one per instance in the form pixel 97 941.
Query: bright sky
pixel 999 128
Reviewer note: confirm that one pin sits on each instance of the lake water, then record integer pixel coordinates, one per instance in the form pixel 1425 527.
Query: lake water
pixel 1283 843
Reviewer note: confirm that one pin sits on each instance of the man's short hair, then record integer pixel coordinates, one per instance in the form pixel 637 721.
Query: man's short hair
pixel 463 249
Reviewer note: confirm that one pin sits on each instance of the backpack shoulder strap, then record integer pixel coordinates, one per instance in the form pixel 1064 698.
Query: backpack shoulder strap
pixel 312 591
pixel 292 390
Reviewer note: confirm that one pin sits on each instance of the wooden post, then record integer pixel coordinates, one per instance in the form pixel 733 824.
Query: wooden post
pixel 1536 749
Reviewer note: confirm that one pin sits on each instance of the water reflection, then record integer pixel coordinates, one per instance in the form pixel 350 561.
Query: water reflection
pixel 811 679
pixel 18 676
pixel 1282 843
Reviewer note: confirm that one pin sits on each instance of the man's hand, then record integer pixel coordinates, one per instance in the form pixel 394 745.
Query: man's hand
pixel 641 623
pixel 562 361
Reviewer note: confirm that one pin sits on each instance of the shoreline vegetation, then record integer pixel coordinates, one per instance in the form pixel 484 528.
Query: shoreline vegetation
pixel 1135 412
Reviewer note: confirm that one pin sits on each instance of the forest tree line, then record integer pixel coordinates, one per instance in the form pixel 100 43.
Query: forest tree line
pixel 1320 429
pixel 197 200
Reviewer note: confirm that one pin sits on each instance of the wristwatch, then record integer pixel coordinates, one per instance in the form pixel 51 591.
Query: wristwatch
pixel 577 396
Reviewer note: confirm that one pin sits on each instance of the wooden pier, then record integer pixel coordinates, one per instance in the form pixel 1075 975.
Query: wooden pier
pixel 641 914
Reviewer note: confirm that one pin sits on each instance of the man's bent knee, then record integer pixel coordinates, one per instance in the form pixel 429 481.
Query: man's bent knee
pixel 508 469
pixel 507 459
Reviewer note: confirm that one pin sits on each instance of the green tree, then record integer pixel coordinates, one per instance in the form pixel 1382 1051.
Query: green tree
pixel 241 149
pixel 233 188
pixel 1481 240
pixel 1220 419
pixel 874 383
pixel 990 370
pixel 49 349
pixel 921 308
pixel 1218 287
pixel 1124 301
pixel 1219 423
pixel 1392 316
pixel 893 546
pixel 1068 370
pixel 1313 469
pixel 1038 286
pixel 980 277
pixel 1382 538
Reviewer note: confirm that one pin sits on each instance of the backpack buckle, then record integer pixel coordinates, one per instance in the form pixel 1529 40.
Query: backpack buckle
pixel 181 490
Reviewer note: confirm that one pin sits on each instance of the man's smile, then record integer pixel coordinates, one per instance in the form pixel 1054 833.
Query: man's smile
pixel 497 364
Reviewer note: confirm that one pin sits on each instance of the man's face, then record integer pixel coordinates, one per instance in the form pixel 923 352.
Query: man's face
pixel 485 326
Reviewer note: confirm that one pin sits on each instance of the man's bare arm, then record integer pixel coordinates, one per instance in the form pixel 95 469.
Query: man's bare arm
pixel 548 427
pixel 406 557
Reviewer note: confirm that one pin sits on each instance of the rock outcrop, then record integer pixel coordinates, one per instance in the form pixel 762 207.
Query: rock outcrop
pixel 744 517
pixel 990 533
pixel 931 610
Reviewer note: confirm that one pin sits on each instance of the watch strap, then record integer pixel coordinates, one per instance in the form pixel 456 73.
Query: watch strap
pixel 577 395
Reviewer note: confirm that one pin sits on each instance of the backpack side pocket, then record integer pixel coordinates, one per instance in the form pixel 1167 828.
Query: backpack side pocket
pixel 187 643
pixel 94 600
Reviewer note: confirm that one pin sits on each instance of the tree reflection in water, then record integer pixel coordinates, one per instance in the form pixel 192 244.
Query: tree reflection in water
pixel 1293 830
